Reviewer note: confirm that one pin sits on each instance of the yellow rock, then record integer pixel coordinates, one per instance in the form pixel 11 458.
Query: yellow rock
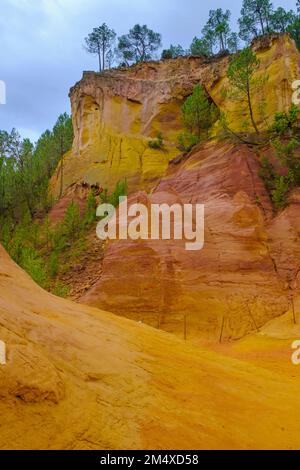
pixel 80 378
pixel 116 113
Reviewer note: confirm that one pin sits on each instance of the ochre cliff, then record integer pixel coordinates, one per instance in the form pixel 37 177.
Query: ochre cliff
pixel 248 271
pixel 115 113
pixel 81 378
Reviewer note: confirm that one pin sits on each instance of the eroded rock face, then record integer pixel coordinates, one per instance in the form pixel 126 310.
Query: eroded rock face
pixel 231 287
pixel 81 378
pixel 116 113
pixel 247 272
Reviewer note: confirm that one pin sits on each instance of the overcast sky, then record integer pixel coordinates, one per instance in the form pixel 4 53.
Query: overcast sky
pixel 41 47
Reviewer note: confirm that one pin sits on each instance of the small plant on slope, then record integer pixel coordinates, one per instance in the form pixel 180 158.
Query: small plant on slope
pixel 158 143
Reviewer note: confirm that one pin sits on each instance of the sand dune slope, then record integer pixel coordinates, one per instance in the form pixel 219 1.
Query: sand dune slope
pixel 80 378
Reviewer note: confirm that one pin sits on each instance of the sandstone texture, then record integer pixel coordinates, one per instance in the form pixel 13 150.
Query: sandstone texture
pixel 81 378
pixel 115 113
pixel 247 272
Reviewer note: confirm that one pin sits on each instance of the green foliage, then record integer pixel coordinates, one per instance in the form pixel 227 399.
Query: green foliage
pixel 285 122
pixel 244 83
pixel 139 45
pixel 63 138
pixel 216 35
pixel 100 42
pixel 5 232
pixel 294 30
pixel 199 113
pixel 21 244
pixel 90 211
pixel 34 265
pixel 44 251
pixel 267 173
pixel 217 28
pixel 158 143
pixel 53 264
pixel 242 68
pixel 173 52
pixel 258 18
pixel 277 183
pixel 72 223
pixel 255 19
pixel 60 290
pixel 233 43
pixel 201 47
pixel 25 169
pixel 281 20
pixel 279 194
pixel 104 196
pixel 120 191
pixel 288 158
pixel 186 141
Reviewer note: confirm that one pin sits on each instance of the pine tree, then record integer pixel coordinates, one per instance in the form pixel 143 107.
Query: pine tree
pixel 72 223
pixel 281 20
pixel 90 210
pixel 139 44
pixel 255 19
pixel 241 74
pixel 173 52
pixel 198 112
pixel 217 28
pixel 100 42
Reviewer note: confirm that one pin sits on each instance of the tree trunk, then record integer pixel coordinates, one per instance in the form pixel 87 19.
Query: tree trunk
pixel 222 42
pixel 267 22
pixel 251 110
pixel 61 176
pixel 99 57
pixel 261 23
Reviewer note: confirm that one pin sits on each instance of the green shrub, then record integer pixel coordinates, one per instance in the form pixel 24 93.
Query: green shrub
pixel 277 185
pixel 46 233
pixel 158 143
pixel 285 122
pixel 199 113
pixel 72 223
pixel 268 174
pixel 279 194
pixel 288 158
pixel 90 211
pixel 60 290
pixel 186 141
pixel 53 264
pixel 34 265
pixel 104 196
pixel 120 191
pixel 6 233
